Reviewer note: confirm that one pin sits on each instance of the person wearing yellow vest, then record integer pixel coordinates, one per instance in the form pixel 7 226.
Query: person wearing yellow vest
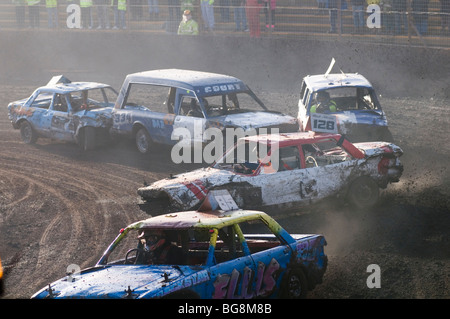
pixel 20 12
pixel 86 13
pixel 188 26
pixel 33 13
pixel 323 103
pixel 120 10
pixel 52 13
pixel 102 13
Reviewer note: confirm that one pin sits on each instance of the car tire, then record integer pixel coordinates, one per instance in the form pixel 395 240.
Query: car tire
pixel 87 138
pixel 143 141
pixel 295 284
pixel 363 192
pixel 27 133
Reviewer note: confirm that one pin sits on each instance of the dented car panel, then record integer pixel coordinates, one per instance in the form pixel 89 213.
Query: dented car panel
pixel 152 105
pixel 359 114
pixel 259 265
pixel 62 109
pixel 309 167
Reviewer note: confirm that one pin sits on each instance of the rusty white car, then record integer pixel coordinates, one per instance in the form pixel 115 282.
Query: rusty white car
pixel 207 254
pixel 62 110
pixel 283 171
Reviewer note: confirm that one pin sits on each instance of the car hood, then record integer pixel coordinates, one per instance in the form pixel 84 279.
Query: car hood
pixel 124 281
pixel 364 117
pixel 256 120
pixel 181 188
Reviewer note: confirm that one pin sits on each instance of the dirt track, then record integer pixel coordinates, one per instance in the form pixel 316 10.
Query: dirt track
pixel 60 206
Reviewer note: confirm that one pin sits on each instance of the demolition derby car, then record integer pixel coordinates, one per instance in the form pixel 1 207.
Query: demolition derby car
pixel 201 254
pixel 350 99
pixel 165 106
pixel 62 110
pixel 283 171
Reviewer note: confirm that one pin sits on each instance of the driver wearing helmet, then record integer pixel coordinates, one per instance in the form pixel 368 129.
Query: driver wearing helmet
pixel 158 249
pixel 323 103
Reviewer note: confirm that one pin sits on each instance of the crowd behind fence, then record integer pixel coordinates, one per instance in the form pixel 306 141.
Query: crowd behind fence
pixel 416 22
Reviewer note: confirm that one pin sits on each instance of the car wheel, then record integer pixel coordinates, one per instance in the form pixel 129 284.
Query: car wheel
pixel 143 141
pixel 295 285
pixel 363 192
pixel 27 133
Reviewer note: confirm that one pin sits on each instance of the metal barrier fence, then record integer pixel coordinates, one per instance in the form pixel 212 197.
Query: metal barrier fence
pixel 287 19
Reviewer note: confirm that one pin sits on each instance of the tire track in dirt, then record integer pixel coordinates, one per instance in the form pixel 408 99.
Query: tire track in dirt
pixel 83 211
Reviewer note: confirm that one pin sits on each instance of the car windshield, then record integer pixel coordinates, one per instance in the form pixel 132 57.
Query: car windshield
pixel 351 98
pixel 231 103
pixel 93 98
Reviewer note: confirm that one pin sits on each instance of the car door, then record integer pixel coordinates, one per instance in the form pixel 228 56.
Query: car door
pixel 39 112
pixel 190 122
pixel 61 117
pixel 328 167
pixel 231 277
pixel 282 179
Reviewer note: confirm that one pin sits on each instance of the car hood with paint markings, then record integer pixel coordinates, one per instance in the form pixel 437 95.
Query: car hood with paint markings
pixel 258 119
pixel 117 281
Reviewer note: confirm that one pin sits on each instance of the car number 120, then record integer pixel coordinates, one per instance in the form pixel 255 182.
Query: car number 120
pixel 323 123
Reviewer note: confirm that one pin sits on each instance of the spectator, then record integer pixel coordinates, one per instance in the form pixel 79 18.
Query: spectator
pixel 208 14
pixel 321 4
pixel 445 15
pixel 102 13
pixel 240 18
pixel 332 9
pixel 174 10
pixel 420 15
pixel 52 13
pixel 253 9
pixel 224 6
pixel 120 10
pixel 387 16
pixel 20 12
pixel 136 10
pixel 33 13
pixel 269 12
pixel 153 9
pixel 86 14
pixel 358 15
pixel 400 18
pixel 188 26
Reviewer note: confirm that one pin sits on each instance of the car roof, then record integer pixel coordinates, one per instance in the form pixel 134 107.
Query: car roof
pixel 64 88
pixel 198 219
pixel 187 79
pixel 322 81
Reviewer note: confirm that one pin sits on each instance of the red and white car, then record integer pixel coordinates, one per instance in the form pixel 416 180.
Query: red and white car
pixel 289 170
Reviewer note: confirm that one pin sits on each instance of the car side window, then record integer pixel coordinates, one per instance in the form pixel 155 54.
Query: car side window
pixel 324 153
pixel 156 98
pixel 42 100
pixel 60 103
pixel 189 107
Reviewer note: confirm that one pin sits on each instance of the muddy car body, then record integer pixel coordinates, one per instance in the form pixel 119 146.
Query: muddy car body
pixel 152 105
pixel 295 169
pixel 216 261
pixel 62 110
pixel 358 113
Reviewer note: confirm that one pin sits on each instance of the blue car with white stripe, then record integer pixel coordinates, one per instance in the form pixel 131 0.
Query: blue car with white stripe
pixel 169 105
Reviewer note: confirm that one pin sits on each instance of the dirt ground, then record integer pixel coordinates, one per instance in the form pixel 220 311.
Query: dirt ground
pixel 61 206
